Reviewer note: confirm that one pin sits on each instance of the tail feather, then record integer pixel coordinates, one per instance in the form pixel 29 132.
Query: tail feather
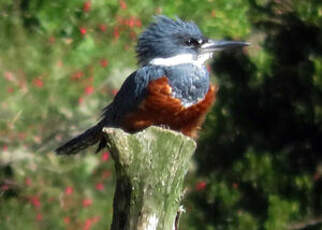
pixel 90 137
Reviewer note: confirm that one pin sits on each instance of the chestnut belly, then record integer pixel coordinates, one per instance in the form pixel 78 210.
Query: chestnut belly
pixel 161 109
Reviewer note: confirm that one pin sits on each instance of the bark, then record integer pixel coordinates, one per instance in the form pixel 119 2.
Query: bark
pixel 150 169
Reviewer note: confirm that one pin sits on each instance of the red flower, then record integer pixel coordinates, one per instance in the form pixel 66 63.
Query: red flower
pixel 104 62
pixel 39 217
pixel 116 33
pixel 316 176
pixel 213 13
pixel 83 30
pixel 201 186
pixel 67 220
pixel 4 187
pixel 88 224
pixel 5 148
pixel 22 136
pixel 28 181
pixel 133 35
pixel 9 76
pixel 105 156
pixel 87 202
pixel 34 200
pixel 114 91
pixel 51 39
pixel 99 186
pixel 102 27
pixel 90 221
pixel 106 174
pixel 131 22
pixel 235 185
pixel 38 82
pixel 10 90
pixel 77 75
pixel 69 190
pixel 123 4
pixel 59 63
pixel 80 100
pixel 87 6
pixel 89 90
pixel 138 23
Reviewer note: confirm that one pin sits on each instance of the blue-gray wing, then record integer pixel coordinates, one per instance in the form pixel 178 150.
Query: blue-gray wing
pixel 131 93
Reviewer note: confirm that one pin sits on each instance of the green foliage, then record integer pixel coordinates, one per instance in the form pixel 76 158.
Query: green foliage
pixel 259 156
pixel 280 212
pixel 266 124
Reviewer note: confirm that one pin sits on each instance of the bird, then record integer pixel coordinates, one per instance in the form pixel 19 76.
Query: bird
pixel 171 87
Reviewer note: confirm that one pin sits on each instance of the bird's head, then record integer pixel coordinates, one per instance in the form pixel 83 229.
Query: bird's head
pixel 170 42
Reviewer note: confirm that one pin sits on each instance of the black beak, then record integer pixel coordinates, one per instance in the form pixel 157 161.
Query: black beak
pixel 213 45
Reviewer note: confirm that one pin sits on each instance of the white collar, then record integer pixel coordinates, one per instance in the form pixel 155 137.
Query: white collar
pixel 182 59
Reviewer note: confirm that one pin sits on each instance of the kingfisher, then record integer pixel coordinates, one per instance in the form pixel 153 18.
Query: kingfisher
pixel 171 87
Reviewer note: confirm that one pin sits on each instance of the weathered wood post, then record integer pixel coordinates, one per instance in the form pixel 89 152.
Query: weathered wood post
pixel 150 169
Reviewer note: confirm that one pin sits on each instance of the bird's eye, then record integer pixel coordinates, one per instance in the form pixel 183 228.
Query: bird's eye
pixel 192 42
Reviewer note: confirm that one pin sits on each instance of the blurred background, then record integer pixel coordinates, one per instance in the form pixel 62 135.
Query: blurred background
pixel 259 158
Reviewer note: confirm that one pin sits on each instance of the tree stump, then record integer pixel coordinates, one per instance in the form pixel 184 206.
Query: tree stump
pixel 150 169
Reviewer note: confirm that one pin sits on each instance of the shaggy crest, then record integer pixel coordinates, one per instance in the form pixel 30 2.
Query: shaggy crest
pixel 164 38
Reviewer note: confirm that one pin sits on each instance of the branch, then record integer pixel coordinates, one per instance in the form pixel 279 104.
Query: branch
pixel 306 223
pixel 150 169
